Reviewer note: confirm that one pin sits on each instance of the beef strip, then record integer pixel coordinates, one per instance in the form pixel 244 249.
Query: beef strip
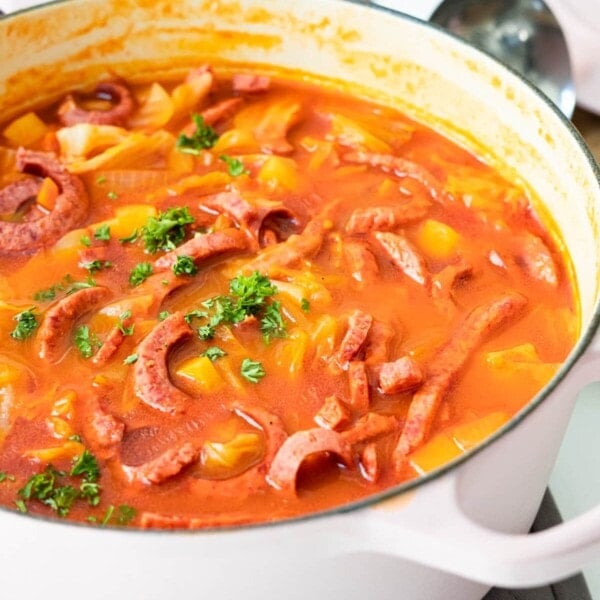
pixel 404 256
pixel 359 323
pixel 386 218
pixel 401 375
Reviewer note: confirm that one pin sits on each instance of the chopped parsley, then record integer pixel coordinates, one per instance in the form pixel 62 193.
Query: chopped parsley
pixel 68 284
pixel 272 323
pixel 48 294
pixel 50 488
pixel 203 138
pixel 86 341
pixel 74 286
pixel 112 195
pixel 85 241
pixel 163 314
pixel 193 314
pixel 305 305
pixel 26 325
pixel 167 230
pixel 214 353
pixel 249 298
pixel 140 273
pixel 235 167
pixel 129 360
pixel 6 477
pixel 130 238
pixel 252 370
pixel 125 514
pixel 102 233
pixel 185 266
pixel 97 265
pixel 101 179
pixel 121 324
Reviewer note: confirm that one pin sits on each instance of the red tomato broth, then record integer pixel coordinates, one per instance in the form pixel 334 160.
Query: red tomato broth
pixel 500 214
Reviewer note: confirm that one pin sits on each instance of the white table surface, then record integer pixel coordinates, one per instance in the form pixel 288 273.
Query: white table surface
pixel 575 482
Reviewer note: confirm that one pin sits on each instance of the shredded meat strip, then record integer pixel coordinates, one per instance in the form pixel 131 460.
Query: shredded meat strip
pixel 61 317
pixel 448 363
pixel 401 375
pixel 360 262
pixel 70 113
pixel 404 256
pixel 204 246
pixel 401 167
pixel 386 218
pixel 369 427
pixel 291 455
pixel 69 210
pixel 359 323
pixel 165 466
pixel 151 375
pixel 250 83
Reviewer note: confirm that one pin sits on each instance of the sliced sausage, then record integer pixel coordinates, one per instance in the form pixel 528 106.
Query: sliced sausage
pixel 534 257
pixel 360 261
pixel 69 210
pixel 221 111
pixel 110 346
pixel 300 445
pixel 16 193
pixel 401 167
pixel 70 113
pixel 404 256
pixel 359 386
pixel 369 427
pixel 369 462
pixel 61 317
pixel 400 376
pixel 378 343
pixel 204 246
pixel 448 363
pixel 359 323
pixel 165 466
pixel 151 374
pixel 386 218
pixel 104 429
pixel 333 414
pixel 249 83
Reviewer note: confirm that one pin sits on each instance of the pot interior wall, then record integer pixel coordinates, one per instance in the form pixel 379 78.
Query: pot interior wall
pixel 402 62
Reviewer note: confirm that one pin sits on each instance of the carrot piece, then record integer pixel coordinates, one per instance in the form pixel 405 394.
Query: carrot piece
pixel 48 194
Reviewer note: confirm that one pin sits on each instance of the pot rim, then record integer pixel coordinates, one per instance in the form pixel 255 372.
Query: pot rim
pixel 577 352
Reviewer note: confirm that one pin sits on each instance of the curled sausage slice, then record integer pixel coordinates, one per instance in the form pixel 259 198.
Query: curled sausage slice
pixel 69 210
pixel 300 445
pixel 70 113
pixel 359 323
pixel 151 375
pixel 60 318
pixel 168 464
pixel 204 246
pixel 16 193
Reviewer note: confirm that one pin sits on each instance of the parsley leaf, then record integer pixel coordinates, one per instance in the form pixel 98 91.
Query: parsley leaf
pixel 6 477
pixel 163 314
pixel 129 360
pixel 86 465
pixel 305 305
pixel 167 230
pixel 272 323
pixel 26 325
pixel 252 291
pixel 235 167
pixel 252 370
pixel 85 241
pixel 97 265
pixel 121 324
pixel 140 273
pixel 193 314
pixel 203 138
pixel 43 487
pixel 86 341
pixel 185 266
pixel 214 353
pixel 112 195
pixel 130 238
pixel 48 294
pixel 102 233
pixel 126 514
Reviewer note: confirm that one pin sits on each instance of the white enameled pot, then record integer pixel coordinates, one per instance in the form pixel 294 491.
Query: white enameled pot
pixel 456 532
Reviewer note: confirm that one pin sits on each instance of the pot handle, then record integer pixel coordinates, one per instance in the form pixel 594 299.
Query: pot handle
pixel 437 531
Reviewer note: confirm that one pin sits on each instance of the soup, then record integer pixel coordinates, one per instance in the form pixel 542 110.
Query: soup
pixel 239 298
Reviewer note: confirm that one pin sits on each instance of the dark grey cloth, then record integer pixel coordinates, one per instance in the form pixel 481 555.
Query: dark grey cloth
pixel 573 588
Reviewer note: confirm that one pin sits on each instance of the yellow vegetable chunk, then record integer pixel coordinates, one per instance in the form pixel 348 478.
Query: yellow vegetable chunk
pixel 278 171
pixel 131 217
pixel 290 353
pixel 9 373
pixel 435 453
pixel 26 130
pixel 69 449
pixel 438 240
pixel 155 111
pixel 471 434
pixel 47 194
pixel 223 460
pixel 349 132
pixel 202 372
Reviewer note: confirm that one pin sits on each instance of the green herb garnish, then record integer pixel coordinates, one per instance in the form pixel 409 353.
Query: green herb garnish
pixel 86 341
pixel 167 230
pixel 214 353
pixel 235 167
pixel 185 266
pixel 305 305
pixel 26 325
pixel 203 138
pixel 140 273
pixel 163 314
pixel 252 370
pixel 97 265
pixel 130 238
pixel 86 466
pixel 272 323
pixel 129 360
pixel 85 241
pixel 6 477
pixel 112 195
pixel 121 324
pixel 102 233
